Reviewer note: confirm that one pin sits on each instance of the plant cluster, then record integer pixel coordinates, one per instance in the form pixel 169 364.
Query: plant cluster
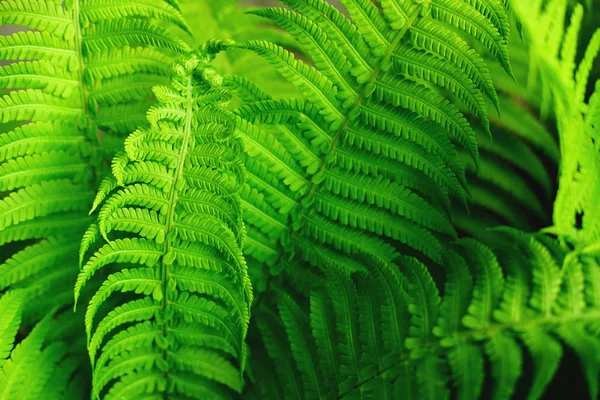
pixel 200 200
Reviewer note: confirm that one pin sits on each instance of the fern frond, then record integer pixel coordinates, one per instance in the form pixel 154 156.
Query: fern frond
pixel 513 185
pixel 119 32
pixel 495 321
pixel 43 16
pixel 179 244
pixel 50 156
pixel 38 75
pixel 17 378
pixel 101 10
pixel 373 110
pixel 127 60
pixel 575 113
pixel 10 322
pixel 30 45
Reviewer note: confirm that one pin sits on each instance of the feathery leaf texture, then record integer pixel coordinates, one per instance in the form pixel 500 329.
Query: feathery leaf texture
pixel 576 206
pixel 175 247
pixel 340 192
pixel 367 162
pixel 386 332
pixel 368 112
pixel 69 63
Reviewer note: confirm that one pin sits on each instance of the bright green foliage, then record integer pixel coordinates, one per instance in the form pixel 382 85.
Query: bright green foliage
pixel 576 207
pixel 53 367
pixel 366 162
pixel 386 332
pixel 174 243
pixel 72 71
pixel 308 159
pixel 405 128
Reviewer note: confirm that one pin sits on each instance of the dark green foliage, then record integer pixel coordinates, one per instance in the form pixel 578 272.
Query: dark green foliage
pixel 386 332
pixel 514 183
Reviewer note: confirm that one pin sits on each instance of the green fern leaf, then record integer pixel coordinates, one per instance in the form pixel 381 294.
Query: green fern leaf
pixel 179 239
pixel 494 322
pixel 373 118
pixel 51 158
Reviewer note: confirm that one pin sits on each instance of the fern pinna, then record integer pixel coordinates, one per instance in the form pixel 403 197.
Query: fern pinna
pixel 75 70
pixel 169 234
